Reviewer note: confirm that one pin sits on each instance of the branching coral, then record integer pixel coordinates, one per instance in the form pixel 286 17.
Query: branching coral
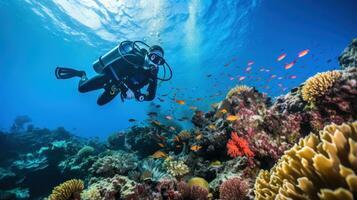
pixel 318 85
pixel 318 167
pixel 237 90
pixel 238 146
pixel 176 168
pixel 69 190
pixel 118 163
pixel 233 189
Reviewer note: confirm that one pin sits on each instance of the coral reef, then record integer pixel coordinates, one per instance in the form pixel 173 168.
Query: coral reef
pixel 318 167
pixel 238 146
pixel 177 168
pixel 69 190
pixel 348 58
pixel 317 86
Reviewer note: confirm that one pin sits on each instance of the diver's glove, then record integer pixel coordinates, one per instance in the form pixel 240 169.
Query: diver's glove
pixel 126 95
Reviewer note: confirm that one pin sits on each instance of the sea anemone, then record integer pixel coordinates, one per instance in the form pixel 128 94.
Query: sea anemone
pixel 318 167
pixel 69 190
pixel 237 90
pixel 318 85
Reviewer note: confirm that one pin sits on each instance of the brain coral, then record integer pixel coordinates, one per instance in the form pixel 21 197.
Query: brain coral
pixel 237 90
pixel 69 190
pixel 318 85
pixel 318 167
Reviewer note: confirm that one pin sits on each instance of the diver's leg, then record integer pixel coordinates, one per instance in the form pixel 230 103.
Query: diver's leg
pixel 95 83
pixel 108 95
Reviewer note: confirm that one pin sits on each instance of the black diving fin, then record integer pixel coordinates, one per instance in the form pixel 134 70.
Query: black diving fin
pixel 66 73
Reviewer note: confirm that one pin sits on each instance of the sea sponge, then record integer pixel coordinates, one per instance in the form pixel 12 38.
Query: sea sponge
pixel 237 90
pixel 176 168
pixel 69 190
pixel 318 167
pixel 198 181
pixel 318 85
pixel 238 146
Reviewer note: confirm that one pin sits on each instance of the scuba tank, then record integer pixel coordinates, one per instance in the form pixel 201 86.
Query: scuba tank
pixel 125 50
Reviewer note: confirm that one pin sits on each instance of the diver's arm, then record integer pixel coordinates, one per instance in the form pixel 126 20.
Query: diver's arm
pixel 151 90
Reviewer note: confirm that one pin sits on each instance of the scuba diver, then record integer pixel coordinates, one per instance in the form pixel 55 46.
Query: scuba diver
pixel 124 70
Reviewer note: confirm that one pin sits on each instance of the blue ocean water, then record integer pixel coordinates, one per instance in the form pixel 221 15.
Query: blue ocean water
pixel 207 43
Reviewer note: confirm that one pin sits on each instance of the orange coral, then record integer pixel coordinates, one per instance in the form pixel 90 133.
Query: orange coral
pixel 237 146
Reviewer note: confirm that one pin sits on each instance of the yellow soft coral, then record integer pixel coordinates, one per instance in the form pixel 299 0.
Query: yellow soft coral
pixel 69 190
pixel 92 193
pixel 318 167
pixel 318 85
pixel 237 90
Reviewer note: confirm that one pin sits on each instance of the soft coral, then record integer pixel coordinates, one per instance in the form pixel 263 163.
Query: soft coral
pixel 237 146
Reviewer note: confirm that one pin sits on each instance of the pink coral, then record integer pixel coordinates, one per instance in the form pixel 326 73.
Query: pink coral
pixel 233 189
pixel 238 146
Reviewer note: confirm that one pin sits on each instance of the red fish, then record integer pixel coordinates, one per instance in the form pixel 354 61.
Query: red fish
pixel 290 65
pixel 303 53
pixel 242 78
pixel 281 57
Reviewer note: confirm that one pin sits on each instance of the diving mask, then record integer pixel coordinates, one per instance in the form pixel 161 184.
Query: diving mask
pixel 156 59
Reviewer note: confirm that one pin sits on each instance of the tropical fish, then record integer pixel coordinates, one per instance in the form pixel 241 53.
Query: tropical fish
pixel 195 147
pixel 161 145
pixel 293 76
pixel 223 110
pixel 281 57
pixel 193 107
pixel 232 118
pixel 155 122
pixel 216 163
pixel 248 69
pixel 250 63
pixel 212 126
pixel 168 117
pixel 231 78
pixel 172 128
pixel 152 114
pixel 160 99
pixel 180 102
pixel 159 154
pixel 303 53
pixel 209 75
pixel 132 120
pixel 199 136
pixel 290 65
pixel 242 78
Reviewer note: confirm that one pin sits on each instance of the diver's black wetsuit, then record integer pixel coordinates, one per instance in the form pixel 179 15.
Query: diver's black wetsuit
pixel 120 76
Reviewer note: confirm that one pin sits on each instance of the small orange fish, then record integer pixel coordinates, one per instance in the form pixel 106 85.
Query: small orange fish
pixel 303 53
pixel 223 110
pixel 161 145
pixel 281 57
pixel 290 65
pixel 232 118
pixel 195 147
pixel 181 102
pixel 159 154
pixel 156 123
pixel 198 137
pixel 178 146
pixel 212 126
